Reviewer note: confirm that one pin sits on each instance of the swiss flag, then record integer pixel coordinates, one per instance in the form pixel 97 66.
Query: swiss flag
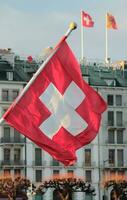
pixel 59 111
pixel 87 20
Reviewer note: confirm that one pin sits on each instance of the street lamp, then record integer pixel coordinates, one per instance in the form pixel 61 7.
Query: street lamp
pixel 31 192
pixel 105 175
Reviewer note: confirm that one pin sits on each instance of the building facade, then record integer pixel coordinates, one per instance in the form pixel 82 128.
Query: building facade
pixel 104 157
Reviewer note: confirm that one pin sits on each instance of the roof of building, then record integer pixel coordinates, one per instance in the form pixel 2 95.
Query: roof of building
pixel 22 70
pixel 104 76
pixel 5 66
pixel 98 75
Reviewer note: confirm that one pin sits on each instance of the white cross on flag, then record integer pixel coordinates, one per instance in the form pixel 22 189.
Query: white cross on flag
pixel 59 112
pixel 87 20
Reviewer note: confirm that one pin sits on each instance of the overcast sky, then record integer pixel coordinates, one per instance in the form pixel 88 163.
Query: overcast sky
pixel 29 26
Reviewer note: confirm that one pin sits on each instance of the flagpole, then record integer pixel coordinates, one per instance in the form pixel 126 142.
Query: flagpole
pixel 72 26
pixel 82 40
pixel 106 39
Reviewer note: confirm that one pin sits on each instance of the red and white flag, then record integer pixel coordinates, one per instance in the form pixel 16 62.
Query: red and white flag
pixel 87 20
pixel 59 112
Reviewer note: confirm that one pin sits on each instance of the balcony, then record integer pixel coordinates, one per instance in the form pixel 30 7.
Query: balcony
pixel 12 163
pixel 109 127
pixel 89 164
pixel 114 166
pixel 18 162
pixel 39 163
pixel 19 141
pixel 11 141
pixel 55 163
pixel 116 126
pixel 116 143
pixel 6 162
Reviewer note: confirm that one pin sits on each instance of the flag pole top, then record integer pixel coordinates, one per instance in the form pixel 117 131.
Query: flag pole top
pixel 72 26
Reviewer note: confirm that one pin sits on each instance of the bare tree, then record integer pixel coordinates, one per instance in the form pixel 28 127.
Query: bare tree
pixel 10 187
pixel 64 187
pixel 119 191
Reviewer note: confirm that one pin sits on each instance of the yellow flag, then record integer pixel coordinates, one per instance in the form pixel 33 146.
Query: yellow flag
pixel 110 22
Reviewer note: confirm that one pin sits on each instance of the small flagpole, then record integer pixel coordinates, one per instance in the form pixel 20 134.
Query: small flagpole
pixel 82 40
pixel 72 26
pixel 106 39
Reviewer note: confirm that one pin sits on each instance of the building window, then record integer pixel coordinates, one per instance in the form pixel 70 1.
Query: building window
pixel 121 173
pixel 70 173
pixel 4 110
pixel 17 172
pixel 88 176
pixel 113 173
pixel 110 100
pixel 9 76
pixel 38 157
pixel 118 100
pixel 119 118
pixel 6 134
pixel 17 155
pixel 5 95
pixel 38 175
pixel 119 136
pixel 87 157
pixel 112 156
pixel 9 94
pixel 110 118
pixel 15 93
pixel 7 172
pixel 6 155
pixel 111 136
pixel 56 173
pixel 120 157
pixel 16 136
pixel 55 162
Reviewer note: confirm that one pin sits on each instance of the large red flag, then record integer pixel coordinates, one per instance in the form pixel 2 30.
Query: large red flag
pixel 59 112
pixel 87 20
